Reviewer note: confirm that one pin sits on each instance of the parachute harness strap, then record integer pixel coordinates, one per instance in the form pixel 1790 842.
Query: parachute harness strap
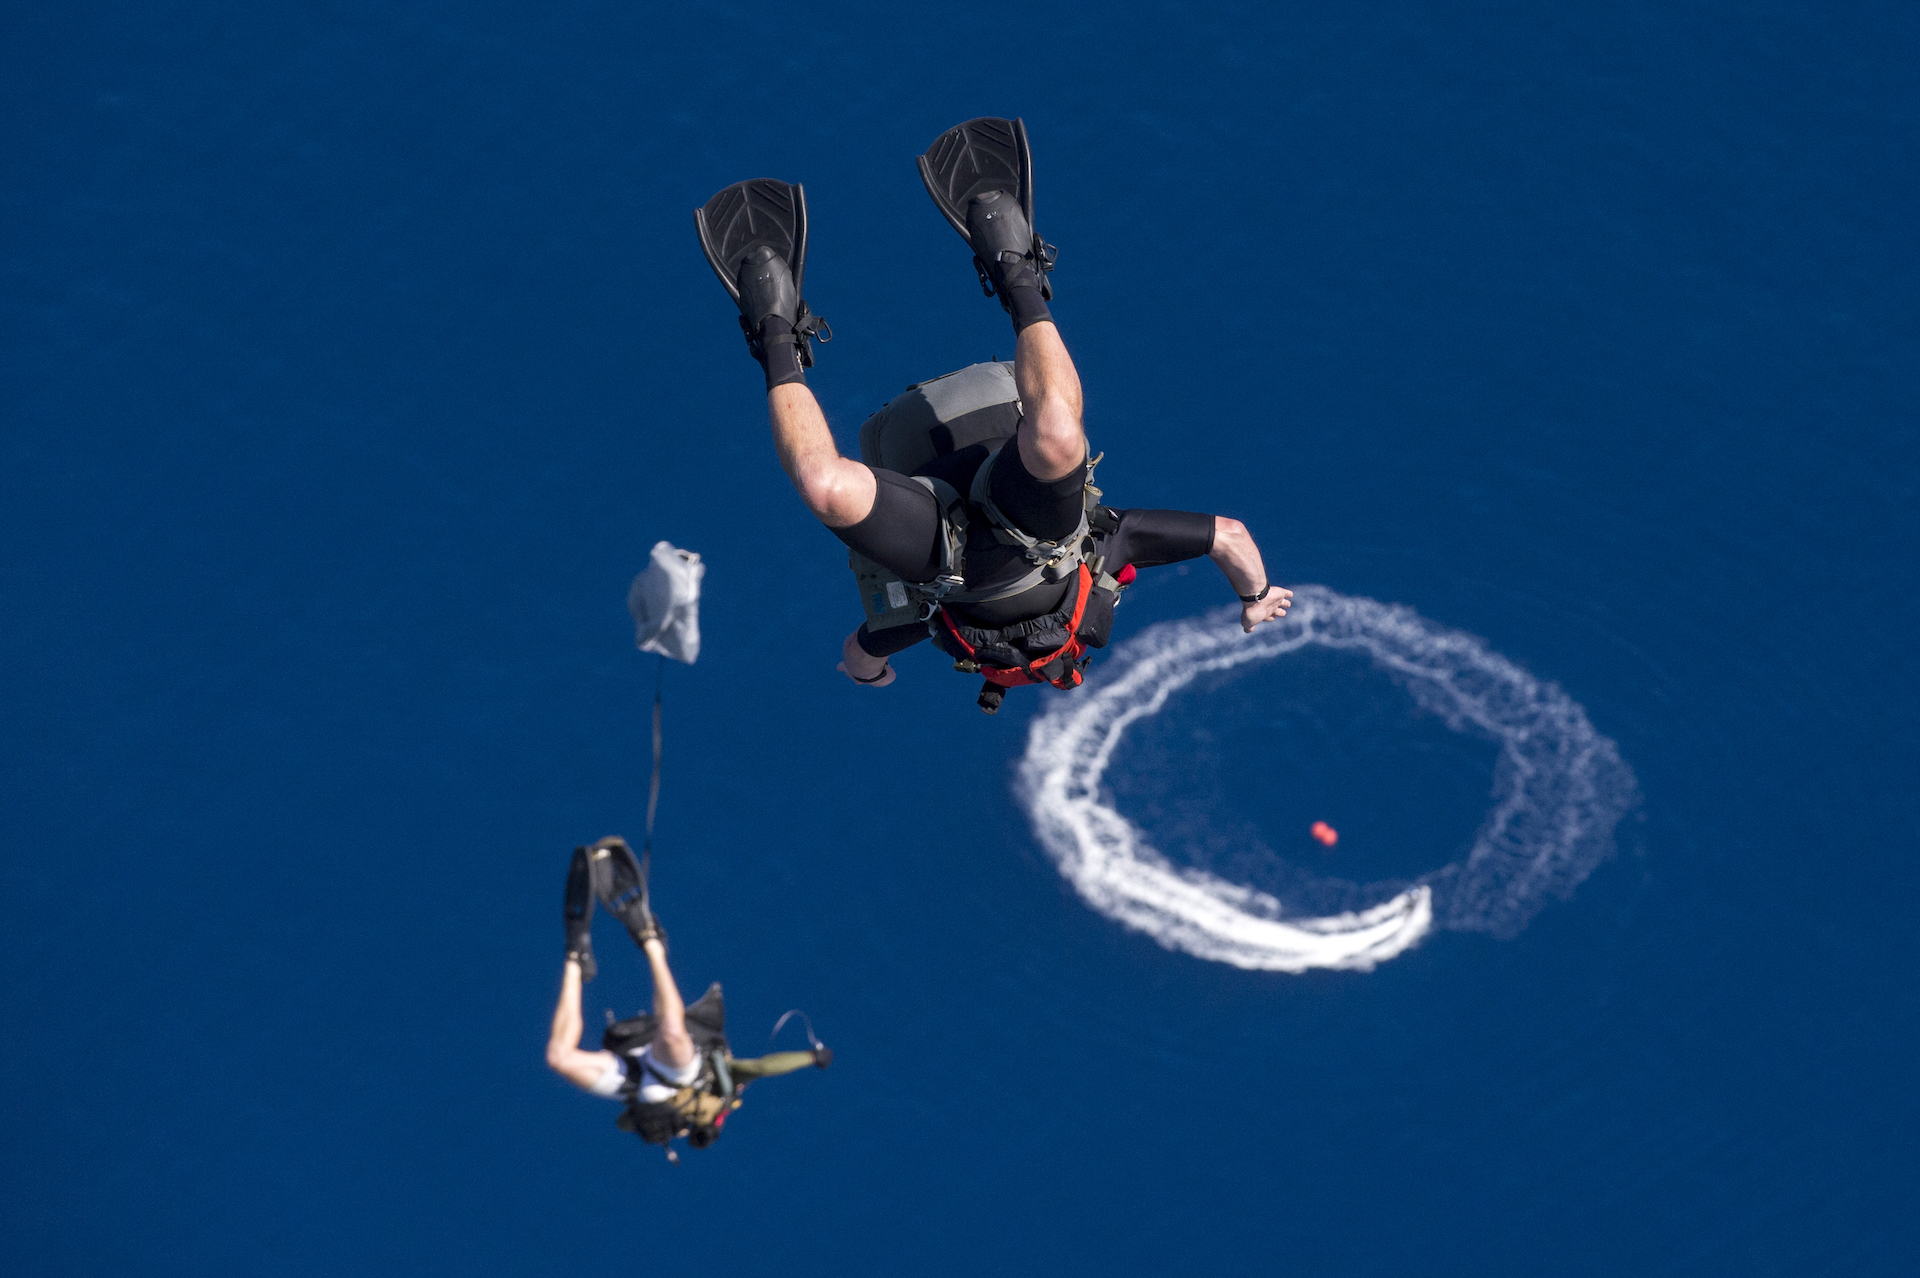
pixel 953 545
pixel 1046 555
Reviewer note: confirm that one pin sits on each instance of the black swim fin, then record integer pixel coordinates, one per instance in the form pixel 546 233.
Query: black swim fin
pixel 620 881
pixel 754 234
pixel 980 175
pixel 577 913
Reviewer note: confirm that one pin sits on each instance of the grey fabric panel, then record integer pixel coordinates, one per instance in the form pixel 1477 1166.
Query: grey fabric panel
pixel 900 436
pixel 882 594
pixel 974 386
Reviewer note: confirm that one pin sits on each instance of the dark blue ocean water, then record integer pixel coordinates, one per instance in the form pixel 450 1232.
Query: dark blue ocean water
pixel 354 355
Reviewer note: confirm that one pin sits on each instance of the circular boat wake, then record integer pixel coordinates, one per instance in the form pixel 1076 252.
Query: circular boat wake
pixel 1559 789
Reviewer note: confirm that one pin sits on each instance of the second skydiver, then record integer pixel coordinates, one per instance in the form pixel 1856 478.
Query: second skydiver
pixel 671 1069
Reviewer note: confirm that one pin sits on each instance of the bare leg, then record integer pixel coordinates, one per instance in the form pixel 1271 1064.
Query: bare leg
pixel 838 490
pixel 671 1045
pixel 1053 442
pixel 564 1057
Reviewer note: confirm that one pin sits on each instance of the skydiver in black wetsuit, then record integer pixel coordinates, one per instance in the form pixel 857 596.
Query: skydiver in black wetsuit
pixel 989 537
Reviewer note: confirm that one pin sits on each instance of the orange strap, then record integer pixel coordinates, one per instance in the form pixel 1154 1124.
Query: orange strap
pixel 1016 676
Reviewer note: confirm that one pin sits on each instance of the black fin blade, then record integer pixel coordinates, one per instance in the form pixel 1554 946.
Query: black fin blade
pixel 577 904
pixel 619 880
pixel 747 215
pixel 987 154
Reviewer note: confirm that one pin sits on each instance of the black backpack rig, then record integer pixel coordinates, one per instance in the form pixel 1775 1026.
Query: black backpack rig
pixel 697 1111
pixel 979 407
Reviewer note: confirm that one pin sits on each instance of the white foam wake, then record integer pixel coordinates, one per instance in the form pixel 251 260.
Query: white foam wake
pixel 1559 789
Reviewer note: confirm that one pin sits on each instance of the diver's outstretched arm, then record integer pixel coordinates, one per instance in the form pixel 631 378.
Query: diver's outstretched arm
pixel 564 1057
pixel 1053 442
pixel 773 1064
pixel 1238 557
pixel 671 1045
pixel 838 490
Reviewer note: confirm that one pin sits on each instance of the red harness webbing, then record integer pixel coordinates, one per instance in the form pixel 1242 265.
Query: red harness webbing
pixel 1015 676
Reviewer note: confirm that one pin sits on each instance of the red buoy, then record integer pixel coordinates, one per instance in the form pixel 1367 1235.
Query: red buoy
pixel 1325 833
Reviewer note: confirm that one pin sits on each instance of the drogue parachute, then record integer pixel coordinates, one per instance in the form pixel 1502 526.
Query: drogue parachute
pixel 665 602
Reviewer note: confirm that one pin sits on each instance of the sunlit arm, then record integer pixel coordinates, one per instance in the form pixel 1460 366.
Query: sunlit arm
pixel 1239 558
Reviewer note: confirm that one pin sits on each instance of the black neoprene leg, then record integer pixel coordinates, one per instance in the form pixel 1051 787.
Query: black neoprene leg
pixel 1047 509
pixel 902 531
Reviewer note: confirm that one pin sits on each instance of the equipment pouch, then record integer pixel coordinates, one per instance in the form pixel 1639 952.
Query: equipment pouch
pixel 883 594
pixel 1096 624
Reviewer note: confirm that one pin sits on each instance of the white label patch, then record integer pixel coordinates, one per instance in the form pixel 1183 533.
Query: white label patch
pixel 896 594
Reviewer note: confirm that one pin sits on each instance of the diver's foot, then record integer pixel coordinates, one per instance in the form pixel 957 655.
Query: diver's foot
pixel 620 880
pixel 766 288
pixel 775 319
pixel 755 237
pixel 769 305
pixel 649 931
pixel 980 175
pixel 1011 259
pixel 577 913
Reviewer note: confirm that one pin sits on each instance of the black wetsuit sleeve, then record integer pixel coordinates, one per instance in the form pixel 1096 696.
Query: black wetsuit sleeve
pixel 884 643
pixel 1150 538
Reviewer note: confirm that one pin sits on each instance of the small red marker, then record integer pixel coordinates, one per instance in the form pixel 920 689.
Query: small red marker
pixel 1325 833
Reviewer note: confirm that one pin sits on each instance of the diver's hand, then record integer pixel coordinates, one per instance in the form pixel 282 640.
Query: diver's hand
pixel 1239 559
pixel 857 665
pixel 1274 606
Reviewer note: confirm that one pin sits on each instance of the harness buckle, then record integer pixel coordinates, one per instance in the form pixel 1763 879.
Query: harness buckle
pixel 932 592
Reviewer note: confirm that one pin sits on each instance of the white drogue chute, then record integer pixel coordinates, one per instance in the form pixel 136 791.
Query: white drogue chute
pixel 665 603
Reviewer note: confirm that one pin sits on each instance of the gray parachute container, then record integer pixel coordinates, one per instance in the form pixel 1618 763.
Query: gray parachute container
pixel 665 603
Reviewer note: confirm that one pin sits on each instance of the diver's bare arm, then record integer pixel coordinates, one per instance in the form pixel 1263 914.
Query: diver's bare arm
pixel 564 1057
pixel 1052 439
pixel 862 666
pixel 838 490
pixel 773 1064
pixel 1238 557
